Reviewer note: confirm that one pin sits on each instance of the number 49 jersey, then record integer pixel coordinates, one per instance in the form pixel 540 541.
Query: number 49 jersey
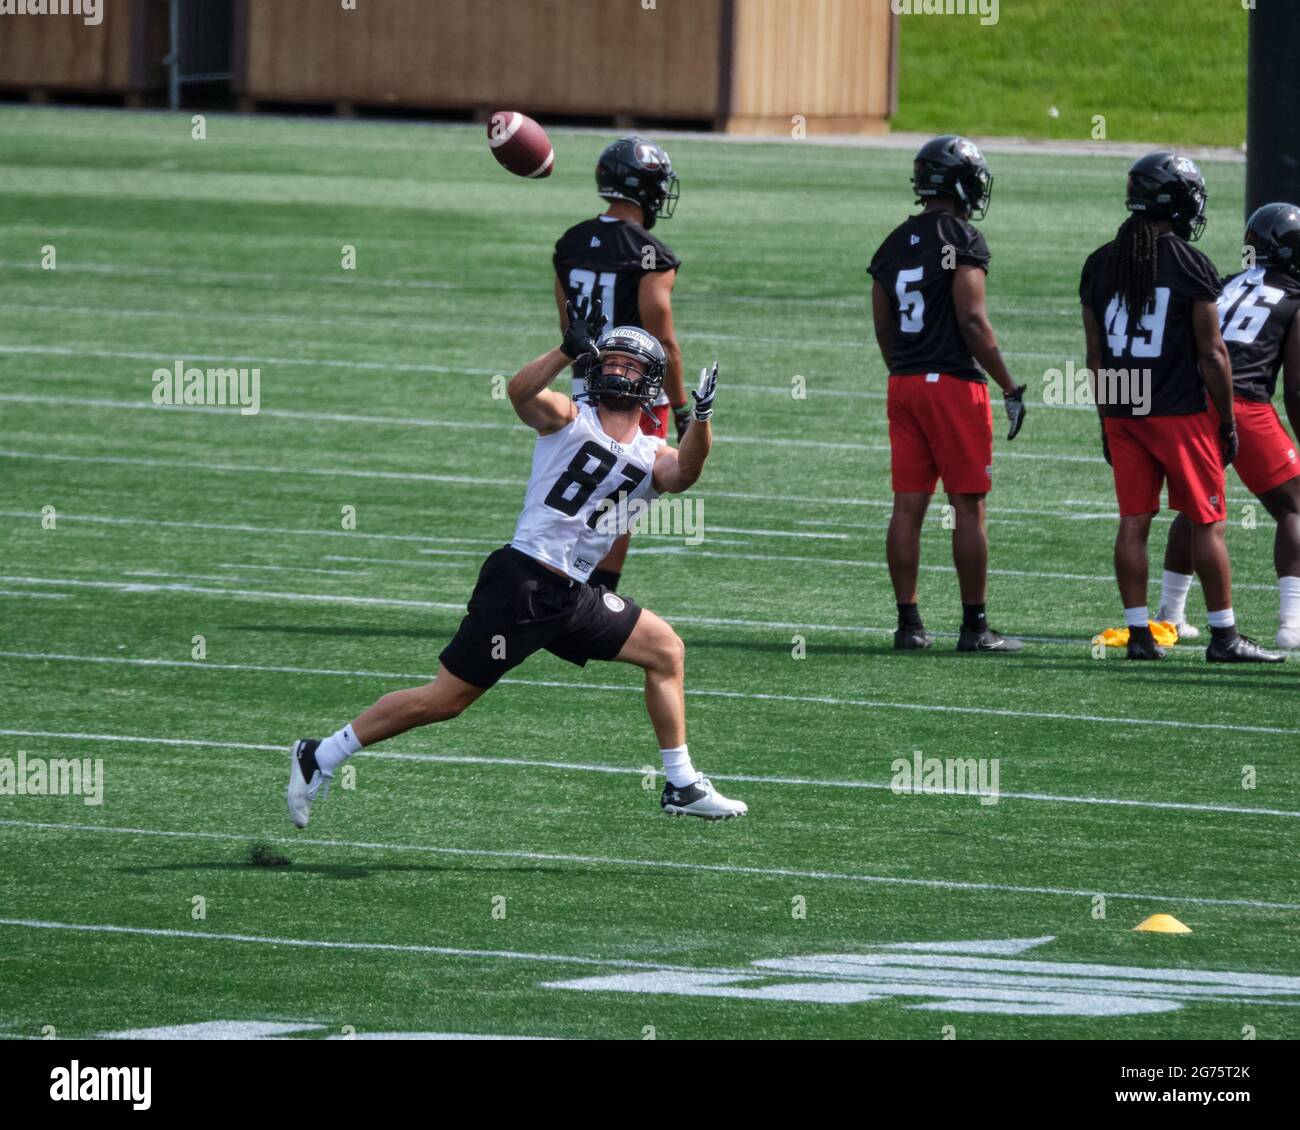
pixel 579 494
pixel 1256 309
pixel 1161 341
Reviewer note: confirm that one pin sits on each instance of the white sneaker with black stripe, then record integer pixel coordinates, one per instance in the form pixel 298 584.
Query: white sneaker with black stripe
pixel 700 799
pixel 305 781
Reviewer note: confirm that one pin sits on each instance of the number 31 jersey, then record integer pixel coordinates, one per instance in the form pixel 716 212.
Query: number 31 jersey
pixel 1256 309
pixel 579 494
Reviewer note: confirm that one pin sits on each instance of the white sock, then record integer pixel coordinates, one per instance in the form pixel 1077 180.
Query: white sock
pixel 335 749
pixel 1137 617
pixel 677 766
pixel 1290 590
pixel 1173 596
pixel 1224 618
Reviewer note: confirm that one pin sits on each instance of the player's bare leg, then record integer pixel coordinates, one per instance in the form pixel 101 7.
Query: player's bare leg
pixel 903 551
pixel 1210 559
pixel 313 762
pixel 970 554
pixel 1177 578
pixel 658 650
pixel 1283 504
pixel 1131 569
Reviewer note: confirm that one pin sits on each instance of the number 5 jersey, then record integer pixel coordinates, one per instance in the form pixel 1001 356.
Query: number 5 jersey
pixel 580 494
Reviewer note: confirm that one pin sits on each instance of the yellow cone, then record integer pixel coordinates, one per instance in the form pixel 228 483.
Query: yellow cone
pixel 1162 924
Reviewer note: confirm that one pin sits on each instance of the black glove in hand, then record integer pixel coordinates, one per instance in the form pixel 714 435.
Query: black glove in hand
pixel 1228 441
pixel 707 390
pixel 1014 402
pixel 585 323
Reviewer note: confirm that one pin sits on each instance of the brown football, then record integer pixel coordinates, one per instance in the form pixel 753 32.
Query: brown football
pixel 520 144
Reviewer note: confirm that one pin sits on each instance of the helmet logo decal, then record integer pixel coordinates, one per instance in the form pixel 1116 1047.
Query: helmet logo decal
pixel 648 154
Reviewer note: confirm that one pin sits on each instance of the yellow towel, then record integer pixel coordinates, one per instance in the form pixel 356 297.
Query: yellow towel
pixel 1165 633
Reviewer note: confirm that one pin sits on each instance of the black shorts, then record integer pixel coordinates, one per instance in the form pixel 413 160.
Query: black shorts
pixel 519 606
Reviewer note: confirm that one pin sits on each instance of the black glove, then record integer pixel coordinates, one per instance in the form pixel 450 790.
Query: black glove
pixel 585 323
pixel 682 418
pixel 1105 445
pixel 1014 402
pixel 1228 441
pixel 707 390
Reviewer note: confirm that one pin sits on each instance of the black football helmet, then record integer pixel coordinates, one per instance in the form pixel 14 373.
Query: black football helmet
pixel 623 391
pixel 635 168
pixel 953 166
pixel 1274 232
pixel 1166 186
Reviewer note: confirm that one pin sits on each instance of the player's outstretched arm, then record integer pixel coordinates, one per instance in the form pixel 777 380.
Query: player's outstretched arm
pixel 540 407
pixel 676 471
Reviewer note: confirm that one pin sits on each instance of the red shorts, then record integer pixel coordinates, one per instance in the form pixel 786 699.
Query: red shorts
pixel 1147 450
pixel 940 426
pixel 1266 455
pixel 658 426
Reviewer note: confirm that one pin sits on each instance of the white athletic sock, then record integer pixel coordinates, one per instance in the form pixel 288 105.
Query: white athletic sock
pixel 677 766
pixel 332 752
pixel 1290 590
pixel 1173 596
pixel 1137 617
pixel 1224 618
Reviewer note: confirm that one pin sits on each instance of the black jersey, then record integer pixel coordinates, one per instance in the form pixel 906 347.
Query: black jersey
pixel 1256 309
pixel 610 257
pixel 1162 341
pixel 915 265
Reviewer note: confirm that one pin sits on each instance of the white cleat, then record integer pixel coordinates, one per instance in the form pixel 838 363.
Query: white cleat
pixel 700 799
pixel 1185 630
pixel 305 780
pixel 1288 637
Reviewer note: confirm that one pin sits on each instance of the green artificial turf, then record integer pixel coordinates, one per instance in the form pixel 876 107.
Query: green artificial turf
pixel 377 394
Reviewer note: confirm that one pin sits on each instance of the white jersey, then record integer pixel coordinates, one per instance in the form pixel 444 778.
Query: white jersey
pixel 580 491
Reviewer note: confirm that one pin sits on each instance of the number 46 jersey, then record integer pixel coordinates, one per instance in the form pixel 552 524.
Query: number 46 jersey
pixel 1256 309
pixel 579 494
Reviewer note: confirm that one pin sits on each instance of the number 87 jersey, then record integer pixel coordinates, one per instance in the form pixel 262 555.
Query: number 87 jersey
pixel 585 490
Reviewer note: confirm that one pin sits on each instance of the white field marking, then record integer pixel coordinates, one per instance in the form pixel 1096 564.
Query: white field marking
pixel 298 569
pixel 693 692
pixel 614 861
pixel 466 425
pixel 633 771
pixel 35 595
pixel 226 579
pixel 145 588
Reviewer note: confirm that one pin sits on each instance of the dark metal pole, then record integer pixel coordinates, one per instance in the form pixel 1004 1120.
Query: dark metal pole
pixel 1273 104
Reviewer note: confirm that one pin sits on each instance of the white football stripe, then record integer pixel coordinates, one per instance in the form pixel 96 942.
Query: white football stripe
pixel 499 139
pixel 545 166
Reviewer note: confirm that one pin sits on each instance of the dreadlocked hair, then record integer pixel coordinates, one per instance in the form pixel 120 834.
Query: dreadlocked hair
pixel 1137 255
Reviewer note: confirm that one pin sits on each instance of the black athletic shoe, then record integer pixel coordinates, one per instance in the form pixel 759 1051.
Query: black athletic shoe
pixel 1239 649
pixel 1142 645
pixel 986 639
pixel 912 639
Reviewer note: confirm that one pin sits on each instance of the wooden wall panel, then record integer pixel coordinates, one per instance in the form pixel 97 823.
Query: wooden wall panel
pixel 65 53
pixel 827 60
pixel 561 56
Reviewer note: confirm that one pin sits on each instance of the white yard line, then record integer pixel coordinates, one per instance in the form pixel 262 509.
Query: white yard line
pixel 634 771
pixel 667 865
pixel 693 692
